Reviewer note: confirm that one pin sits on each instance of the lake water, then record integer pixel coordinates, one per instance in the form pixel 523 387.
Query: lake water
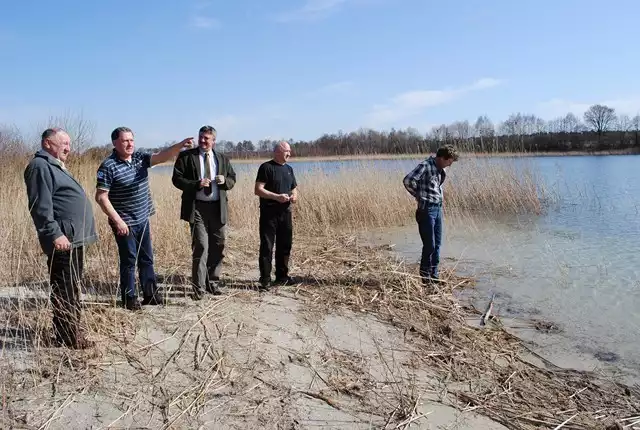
pixel 577 265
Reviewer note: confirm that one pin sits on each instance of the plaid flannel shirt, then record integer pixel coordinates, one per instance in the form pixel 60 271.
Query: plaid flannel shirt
pixel 424 182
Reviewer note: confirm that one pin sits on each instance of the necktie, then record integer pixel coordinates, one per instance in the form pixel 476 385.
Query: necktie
pixel 207 173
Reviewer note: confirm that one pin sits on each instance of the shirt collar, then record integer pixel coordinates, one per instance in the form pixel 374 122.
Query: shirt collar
pixel 432 160
pixel 115 156
pixel 52 159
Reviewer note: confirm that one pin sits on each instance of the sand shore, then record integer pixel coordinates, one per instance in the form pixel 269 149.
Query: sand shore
pixel 357 343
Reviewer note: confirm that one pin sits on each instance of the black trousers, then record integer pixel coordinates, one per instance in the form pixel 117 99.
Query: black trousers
pixel 65 273
pixel 276 228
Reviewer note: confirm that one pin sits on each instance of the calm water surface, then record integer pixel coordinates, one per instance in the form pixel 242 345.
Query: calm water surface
pixel 577 265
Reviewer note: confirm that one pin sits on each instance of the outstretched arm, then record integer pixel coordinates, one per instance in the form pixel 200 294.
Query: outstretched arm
pixel 170 152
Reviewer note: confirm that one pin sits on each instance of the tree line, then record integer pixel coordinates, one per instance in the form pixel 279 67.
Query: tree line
pixel 599 129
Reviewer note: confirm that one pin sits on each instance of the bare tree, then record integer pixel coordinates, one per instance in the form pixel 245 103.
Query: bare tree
pixel 571 124
pixel 600 118
pixel 485 130
pixel 461 130
pixel 440 133
pixel 624 126
pixel 80 130
pixel 635 124
pixel 11 142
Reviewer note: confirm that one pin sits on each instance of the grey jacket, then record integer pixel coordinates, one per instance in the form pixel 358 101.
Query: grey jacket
pixel 57 203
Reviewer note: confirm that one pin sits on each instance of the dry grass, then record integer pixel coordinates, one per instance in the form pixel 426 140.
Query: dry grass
pixel 347 199
pixel 191 365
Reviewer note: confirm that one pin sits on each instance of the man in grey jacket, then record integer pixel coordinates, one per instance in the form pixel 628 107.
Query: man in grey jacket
pixel 63 218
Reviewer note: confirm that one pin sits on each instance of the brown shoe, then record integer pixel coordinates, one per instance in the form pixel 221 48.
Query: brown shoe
pixel 84 343
pixel 80 343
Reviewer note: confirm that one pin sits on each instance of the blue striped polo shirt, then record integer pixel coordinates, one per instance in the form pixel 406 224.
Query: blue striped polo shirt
pixel 128 186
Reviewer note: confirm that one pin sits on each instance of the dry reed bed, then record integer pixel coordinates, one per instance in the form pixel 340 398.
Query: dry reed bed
pixel 348 199
pixel 485 370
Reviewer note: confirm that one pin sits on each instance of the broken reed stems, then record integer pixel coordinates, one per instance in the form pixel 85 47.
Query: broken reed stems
pixel 488 367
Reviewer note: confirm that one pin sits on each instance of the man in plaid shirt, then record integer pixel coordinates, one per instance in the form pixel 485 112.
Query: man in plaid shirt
pixel 424 183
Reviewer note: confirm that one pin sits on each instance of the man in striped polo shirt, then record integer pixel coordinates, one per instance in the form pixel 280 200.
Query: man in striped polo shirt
pixel 124 196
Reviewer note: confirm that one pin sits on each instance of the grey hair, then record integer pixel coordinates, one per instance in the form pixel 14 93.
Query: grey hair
pixel 49 133
pixel 207 129
pixel 277 144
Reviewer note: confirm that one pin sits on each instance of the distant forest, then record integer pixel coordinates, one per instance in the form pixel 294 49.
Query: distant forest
pixel 599 130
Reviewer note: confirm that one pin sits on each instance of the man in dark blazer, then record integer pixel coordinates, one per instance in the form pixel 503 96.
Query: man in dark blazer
pixel 205 176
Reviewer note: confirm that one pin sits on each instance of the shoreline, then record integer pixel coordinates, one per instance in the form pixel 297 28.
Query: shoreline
pixel 369 157
pixel 546 333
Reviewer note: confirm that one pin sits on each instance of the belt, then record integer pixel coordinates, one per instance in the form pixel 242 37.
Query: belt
pixel 207 201
pixel 424 204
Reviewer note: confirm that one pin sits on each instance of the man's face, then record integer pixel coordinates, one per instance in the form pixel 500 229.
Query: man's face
pixel 283 152
pixel 444 162
pixel 206 141
pixel 124 144
pixel 58 145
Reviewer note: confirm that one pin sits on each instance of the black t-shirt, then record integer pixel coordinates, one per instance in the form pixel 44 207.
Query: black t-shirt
pixel 279 179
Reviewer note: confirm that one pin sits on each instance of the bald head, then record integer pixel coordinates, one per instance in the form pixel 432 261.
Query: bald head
pixel 56 142
pixel 282 152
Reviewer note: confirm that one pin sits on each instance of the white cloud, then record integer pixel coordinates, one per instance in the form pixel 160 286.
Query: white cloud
pixel 560 107
pixel 413 102
pixel 202 21
pixel 483 83
pixel 310 10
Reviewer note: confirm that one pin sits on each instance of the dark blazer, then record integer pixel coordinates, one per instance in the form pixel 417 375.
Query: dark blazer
pixel 186 177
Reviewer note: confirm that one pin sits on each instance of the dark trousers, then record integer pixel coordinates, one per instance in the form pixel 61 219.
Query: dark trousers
pixel 135 249
pixel 276 227
pixel 429 219
pixel 208 236
pixel 65 271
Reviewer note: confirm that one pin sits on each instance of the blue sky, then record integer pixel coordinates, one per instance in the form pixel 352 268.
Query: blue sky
pixel 299 68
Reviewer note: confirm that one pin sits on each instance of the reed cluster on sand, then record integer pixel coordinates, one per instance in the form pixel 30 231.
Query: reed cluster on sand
pixel 349 199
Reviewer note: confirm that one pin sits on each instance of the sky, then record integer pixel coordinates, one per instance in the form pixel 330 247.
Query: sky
pixel 257 69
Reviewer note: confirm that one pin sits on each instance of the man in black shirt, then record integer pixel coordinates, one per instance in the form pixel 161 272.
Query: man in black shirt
pixel 277 188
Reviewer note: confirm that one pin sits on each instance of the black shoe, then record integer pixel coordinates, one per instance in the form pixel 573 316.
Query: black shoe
pixel 214 289
pixel 288 280
pixel 132 304
pixel 153 300
pixel 196 296
pixel 264 285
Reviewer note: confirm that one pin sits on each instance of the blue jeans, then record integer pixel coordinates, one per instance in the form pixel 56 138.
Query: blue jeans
pixel 429 221
pixel 136 248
